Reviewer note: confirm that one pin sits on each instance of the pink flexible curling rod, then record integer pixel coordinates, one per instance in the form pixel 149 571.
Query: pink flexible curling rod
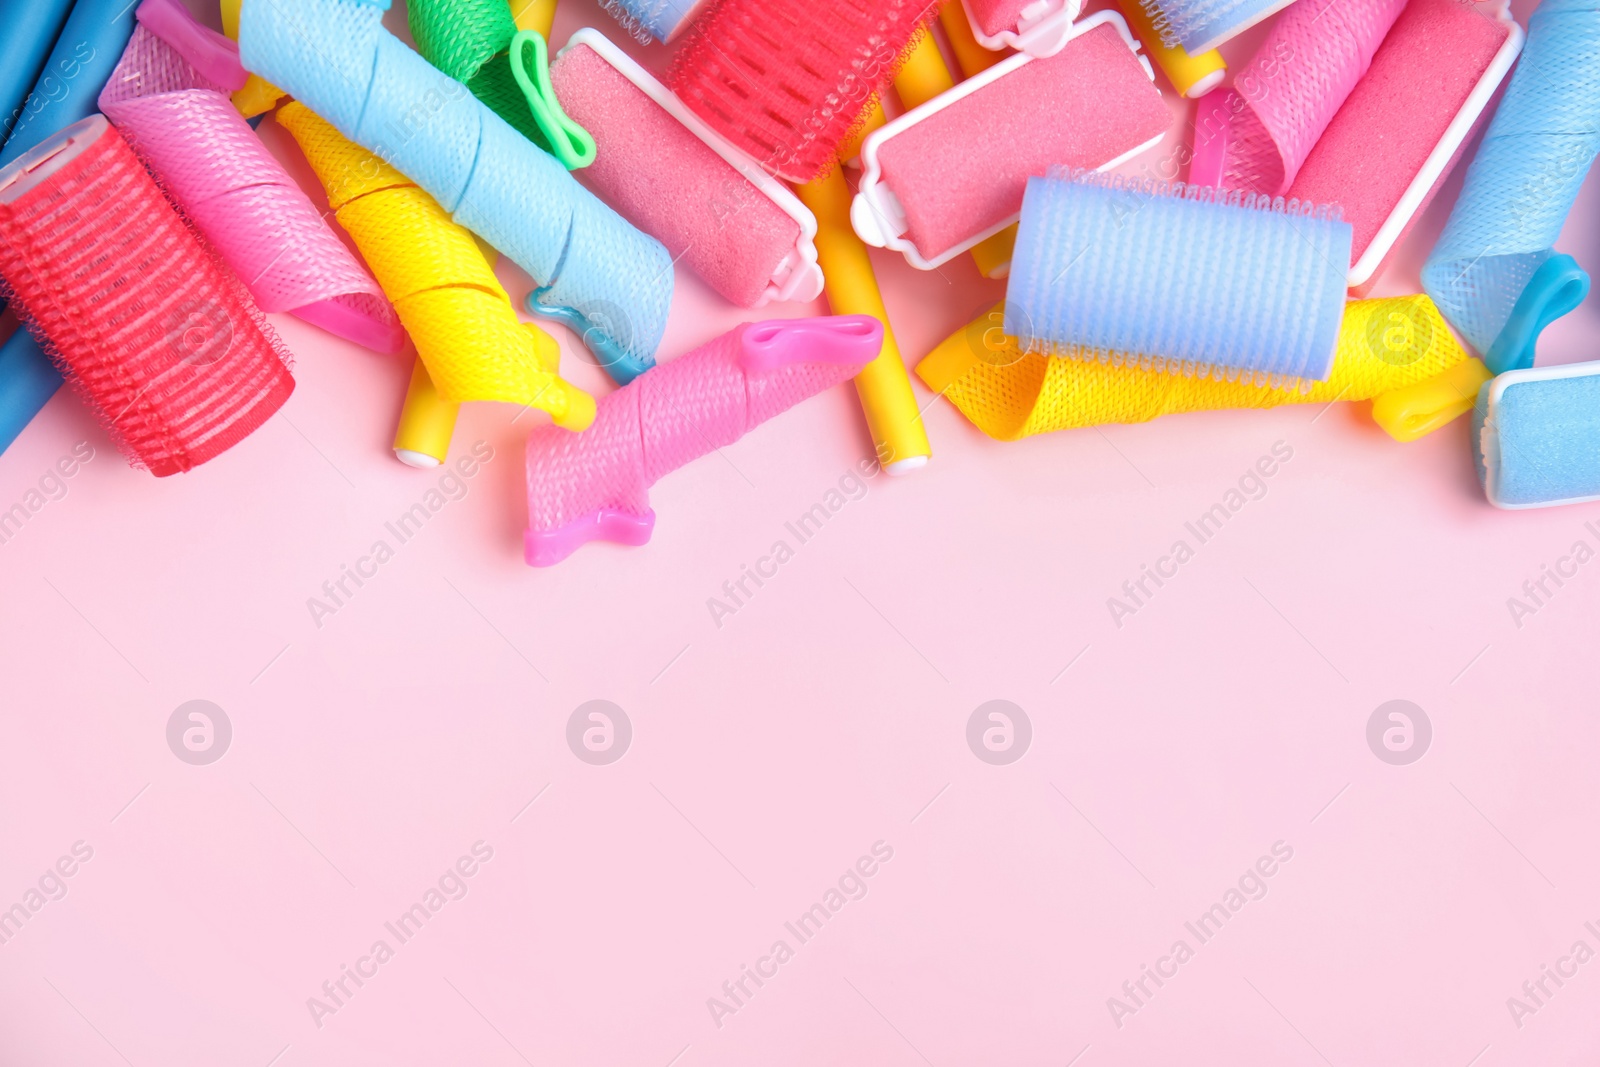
pixel 595 485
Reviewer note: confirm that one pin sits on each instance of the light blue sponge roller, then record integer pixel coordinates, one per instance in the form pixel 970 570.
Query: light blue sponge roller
pixel 663 19
pixel 1200 25
pixel 1536 436
pixel 1180 278
pixel 1494 273
pixel 597 273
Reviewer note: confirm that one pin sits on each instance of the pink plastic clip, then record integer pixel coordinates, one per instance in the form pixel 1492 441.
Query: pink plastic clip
pixel 207 51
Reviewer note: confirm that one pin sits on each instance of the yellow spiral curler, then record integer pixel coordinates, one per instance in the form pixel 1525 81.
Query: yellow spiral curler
pixel 1388 346
pixel 461 319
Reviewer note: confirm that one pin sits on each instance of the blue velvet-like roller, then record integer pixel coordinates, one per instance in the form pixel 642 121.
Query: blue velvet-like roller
pixel 69 82
pixel 596 272
pixel 1495 272
pixel 1179 278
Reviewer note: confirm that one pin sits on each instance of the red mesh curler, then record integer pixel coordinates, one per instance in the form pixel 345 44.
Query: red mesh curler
pixel 787 80
pixel 155 334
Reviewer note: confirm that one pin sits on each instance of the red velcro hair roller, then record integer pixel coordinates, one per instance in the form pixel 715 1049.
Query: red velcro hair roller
pixel 787 80
pixel 157 336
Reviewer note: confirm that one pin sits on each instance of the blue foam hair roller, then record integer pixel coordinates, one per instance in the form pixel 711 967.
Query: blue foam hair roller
pixel 1495 273
pixel 1180 278
pixel 31 29
pixel 662 19
pixel 1536 436
pixel 85 53
pixel 593 268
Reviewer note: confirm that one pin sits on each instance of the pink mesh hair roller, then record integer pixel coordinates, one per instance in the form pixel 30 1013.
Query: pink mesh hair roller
pixel 1256 135
pixel 169 99
pixel 594 486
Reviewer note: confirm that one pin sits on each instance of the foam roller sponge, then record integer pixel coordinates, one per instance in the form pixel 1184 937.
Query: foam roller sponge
pixel 1536 436
pixel 1192 279
pixel 462 321
pixel 157 336
pixel 1384 346
pixel 595 485
pixel 598 274
pixel 951 173
pixel 1494 273
pixel 216 170
pixel 787 80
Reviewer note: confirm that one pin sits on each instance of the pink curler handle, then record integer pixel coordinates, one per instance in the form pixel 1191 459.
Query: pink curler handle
pixel 781 342
pixel 595 485
pixel 208 51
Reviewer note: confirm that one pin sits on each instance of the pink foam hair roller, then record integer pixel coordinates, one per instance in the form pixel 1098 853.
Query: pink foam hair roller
pixel 595 485
pixel 1390 148
pixel 1256 135
pixel 169 97
pixel 663 169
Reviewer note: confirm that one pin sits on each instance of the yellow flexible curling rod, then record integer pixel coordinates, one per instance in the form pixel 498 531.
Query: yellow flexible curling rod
pixel 852 289
pixel 428 420
pixel 993 255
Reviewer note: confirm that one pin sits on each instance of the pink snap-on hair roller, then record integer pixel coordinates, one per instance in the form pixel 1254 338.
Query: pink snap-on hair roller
pixel 595 485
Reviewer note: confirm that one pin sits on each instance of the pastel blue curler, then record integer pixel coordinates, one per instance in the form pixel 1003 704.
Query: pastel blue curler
pixel 594 270
pixel 69 82
pixel 1536 436
pixel 1495 273
pixel 1179 278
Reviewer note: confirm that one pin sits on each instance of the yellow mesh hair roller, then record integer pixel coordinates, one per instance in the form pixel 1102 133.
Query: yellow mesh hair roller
pixel 1389 346
pixel 466 332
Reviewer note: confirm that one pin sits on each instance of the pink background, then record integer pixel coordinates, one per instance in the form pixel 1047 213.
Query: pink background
pixel 769 754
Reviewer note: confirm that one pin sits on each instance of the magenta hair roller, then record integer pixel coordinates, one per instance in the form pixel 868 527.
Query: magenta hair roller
pixel 595 485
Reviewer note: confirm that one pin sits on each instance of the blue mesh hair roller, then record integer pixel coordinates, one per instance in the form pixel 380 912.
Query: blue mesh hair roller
pixel 596 272
pixel 1495 273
